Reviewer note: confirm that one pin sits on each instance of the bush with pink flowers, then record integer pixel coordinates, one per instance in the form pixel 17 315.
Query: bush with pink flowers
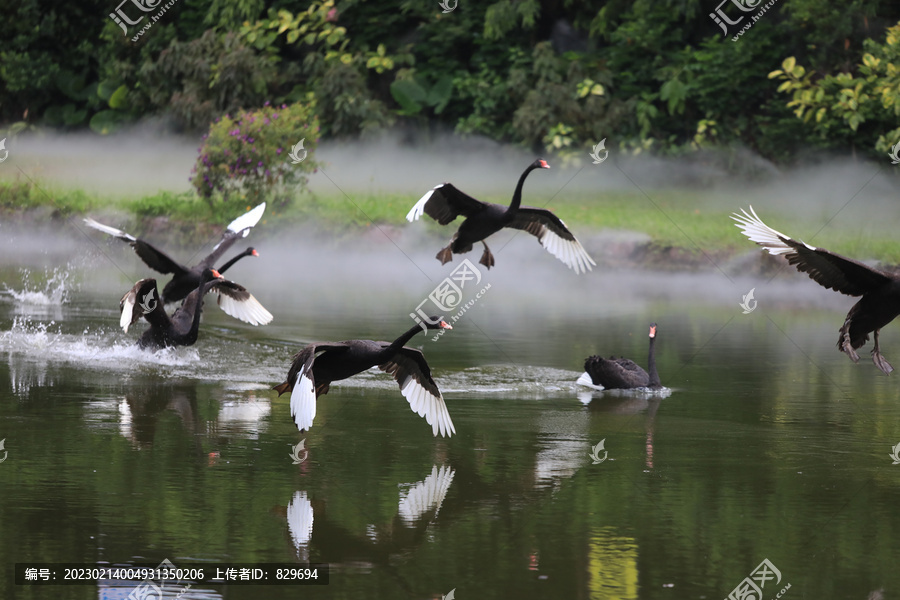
pixel 246 158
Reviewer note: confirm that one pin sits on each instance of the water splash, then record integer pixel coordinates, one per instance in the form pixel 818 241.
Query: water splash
pixel 94 348
pixel 53 292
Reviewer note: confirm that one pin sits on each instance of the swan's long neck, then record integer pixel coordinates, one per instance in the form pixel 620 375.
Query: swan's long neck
pixel 651 364
pixel 228 265
pixel 402 340
pixel 195 301
pixel 517 195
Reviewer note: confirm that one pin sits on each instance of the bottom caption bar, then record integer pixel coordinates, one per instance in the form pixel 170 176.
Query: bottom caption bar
pixel 150 575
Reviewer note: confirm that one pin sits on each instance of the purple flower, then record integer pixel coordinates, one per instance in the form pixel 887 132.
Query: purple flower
pixel 274 115
pixel 278 151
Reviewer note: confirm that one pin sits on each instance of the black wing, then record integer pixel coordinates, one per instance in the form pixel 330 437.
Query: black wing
pixel 828 269
pixel 615 373
pixel 153 257
pixel 553 235
pixel 444 203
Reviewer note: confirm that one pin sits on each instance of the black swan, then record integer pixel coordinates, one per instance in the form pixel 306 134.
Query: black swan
pixel 621 373
pixel 186 279
pixel 310 375
pixel 880 291
pixel 182 327
pixel 444 203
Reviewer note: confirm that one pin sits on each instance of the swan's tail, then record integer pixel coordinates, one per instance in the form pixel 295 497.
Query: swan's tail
pixel 586 381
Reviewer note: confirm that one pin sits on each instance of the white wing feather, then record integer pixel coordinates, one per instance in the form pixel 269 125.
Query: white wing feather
pixel 249 311
pixel 424 404
pixel 419 208
pixel 247 220
pixel 109 230
pixel 754 228
pixel 571 252
pixel 303 401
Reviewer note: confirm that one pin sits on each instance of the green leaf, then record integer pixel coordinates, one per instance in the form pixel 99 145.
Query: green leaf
pixel 409 95
pixel 788 64
pixel 106 121
pixel 106 88
pixel 119 97
pixel 439 95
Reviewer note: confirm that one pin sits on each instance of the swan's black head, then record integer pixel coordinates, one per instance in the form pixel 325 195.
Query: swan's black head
pixel 652 330
pixel 540 164
pixel 437 323
pixel 251 252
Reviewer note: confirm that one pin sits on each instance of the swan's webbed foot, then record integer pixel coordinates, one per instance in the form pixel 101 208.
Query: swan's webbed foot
pixel 879 360
pixel 445 255
pixel 487 259
pixel 845 346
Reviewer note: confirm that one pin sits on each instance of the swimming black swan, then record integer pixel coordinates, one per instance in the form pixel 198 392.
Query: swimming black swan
pixel 444 203
pixel 880 291
pixel 182 327
pixel 310 375
pixel 186 279
pixel 621 373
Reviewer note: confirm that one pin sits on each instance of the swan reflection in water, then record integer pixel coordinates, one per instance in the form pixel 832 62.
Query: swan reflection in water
pixel 417 507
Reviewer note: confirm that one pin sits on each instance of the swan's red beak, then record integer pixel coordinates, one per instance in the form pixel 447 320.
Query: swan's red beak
pixel 653 331
pixel 445 325
pixel 216 274
pixel 254 252
pixel 544 164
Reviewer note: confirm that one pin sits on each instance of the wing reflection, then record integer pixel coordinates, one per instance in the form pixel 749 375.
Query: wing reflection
pixel 426 495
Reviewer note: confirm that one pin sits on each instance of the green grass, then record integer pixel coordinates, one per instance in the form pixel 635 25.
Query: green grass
pixel 672 218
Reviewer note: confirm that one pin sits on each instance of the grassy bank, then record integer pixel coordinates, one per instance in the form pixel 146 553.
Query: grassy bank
pixel 671 218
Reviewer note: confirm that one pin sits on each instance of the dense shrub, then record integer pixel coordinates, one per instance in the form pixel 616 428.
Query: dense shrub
pixel 245 159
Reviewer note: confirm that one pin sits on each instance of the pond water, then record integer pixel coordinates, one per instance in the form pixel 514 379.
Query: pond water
pixel 770 444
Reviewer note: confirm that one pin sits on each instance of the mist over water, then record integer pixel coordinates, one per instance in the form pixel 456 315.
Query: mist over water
pixel 142 160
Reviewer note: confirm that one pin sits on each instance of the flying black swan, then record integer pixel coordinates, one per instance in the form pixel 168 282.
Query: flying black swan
pixel 182 327
pixel 880 291
pixel 444 203
pixel 186 279
pixel 621 373
pixel 310 376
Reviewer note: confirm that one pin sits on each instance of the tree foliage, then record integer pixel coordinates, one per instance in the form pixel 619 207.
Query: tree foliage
pixel 646 74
